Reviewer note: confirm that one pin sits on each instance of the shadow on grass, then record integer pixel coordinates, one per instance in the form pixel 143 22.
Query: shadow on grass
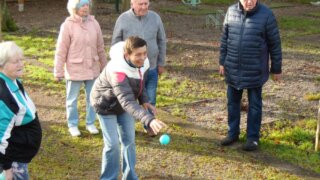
pixel 289 158
pixel 196 73
pixel 194 139
pixel 206 146
pixel 64 157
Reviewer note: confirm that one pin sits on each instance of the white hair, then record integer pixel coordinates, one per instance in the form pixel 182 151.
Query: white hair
pixel 71 6
pixel 9 50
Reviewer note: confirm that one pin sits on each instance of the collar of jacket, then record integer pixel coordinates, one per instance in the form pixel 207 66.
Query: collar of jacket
pixel 128 61
pixel 13 87
pixel 78 19
pixel 138 17
pixel 254 10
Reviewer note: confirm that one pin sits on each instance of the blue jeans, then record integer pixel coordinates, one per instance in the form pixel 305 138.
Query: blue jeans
pixel 20 171
pixel 73 89
pixel 151 85
pixel 116 130
pixel 254 114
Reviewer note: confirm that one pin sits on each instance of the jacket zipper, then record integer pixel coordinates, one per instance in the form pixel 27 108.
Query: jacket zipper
pixel 239 46
pixel 140 91
pixel 140 27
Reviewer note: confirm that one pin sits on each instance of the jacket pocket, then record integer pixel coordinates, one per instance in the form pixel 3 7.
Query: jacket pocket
pixel 106 103
pixel 76 60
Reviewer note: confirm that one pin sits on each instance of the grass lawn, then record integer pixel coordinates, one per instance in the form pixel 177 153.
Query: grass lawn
pixel 192 153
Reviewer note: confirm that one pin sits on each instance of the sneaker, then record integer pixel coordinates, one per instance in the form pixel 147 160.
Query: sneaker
pixel 74 131
pixel 250 145
pixel 150 132
pixel 229 140
pixel 92 129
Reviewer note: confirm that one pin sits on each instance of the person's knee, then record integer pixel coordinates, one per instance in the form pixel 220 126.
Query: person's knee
pixel 112 146
pixel 128 141
pixel 234 102
pixel 255 104
pixel 130 145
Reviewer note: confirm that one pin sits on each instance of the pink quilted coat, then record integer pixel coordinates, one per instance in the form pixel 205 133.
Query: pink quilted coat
pixel 80 53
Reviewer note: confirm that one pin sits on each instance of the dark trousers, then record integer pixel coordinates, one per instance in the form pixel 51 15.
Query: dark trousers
pixel 254 114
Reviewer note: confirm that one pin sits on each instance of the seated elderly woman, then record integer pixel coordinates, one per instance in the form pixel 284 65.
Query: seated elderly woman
pixel 20 130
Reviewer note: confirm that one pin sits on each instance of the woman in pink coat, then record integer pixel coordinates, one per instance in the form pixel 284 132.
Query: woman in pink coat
pixel 79 58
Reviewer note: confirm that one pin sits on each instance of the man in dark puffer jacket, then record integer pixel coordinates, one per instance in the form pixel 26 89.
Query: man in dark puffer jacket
pixel 250 36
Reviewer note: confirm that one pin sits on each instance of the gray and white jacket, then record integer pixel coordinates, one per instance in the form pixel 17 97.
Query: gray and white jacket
pixel 148 27
pixel 119 86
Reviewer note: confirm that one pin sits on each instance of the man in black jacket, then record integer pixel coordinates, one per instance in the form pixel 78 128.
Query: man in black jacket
pixel 250 36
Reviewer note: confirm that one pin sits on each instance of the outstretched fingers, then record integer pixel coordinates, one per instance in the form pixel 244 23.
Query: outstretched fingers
pixel 156 125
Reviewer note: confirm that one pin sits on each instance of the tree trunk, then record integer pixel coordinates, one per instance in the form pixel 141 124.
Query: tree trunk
pixel 7 22
pixel 126 4
pixel 1 1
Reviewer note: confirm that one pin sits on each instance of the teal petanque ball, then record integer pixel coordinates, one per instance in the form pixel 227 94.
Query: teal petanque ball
pixel 164 139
